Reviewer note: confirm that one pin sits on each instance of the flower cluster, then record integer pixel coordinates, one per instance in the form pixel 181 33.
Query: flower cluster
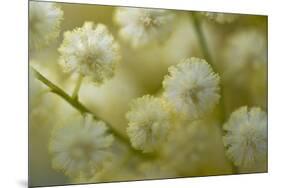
pixel 191 89
pixel 90 51
pixel 173 127
pixel 44 23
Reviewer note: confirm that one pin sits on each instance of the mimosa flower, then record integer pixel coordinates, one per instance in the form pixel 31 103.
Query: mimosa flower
pixel 140 26
pixel 80 148
pixel 192 87
pixel 90 51
pixel 246 137
pixel 44 23
pixel 149 123
pixel 246 48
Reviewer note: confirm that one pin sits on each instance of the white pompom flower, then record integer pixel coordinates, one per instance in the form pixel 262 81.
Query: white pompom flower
pixel 140 26
pixel 44 23
pixel 246 138
pixel 149 123
pixel 221 18
pixel 192 88
pixel 81 147
pixel 90 51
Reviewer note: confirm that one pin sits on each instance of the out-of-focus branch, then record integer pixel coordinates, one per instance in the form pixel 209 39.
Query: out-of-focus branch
pixel 77 87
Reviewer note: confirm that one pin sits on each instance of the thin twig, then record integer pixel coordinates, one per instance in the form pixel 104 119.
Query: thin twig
pixel 72 101
pixel 82 109
pixel 77 87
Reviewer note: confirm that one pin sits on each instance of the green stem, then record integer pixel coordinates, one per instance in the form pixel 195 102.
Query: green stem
pixel 234 168
pixel 74 102
pixel 81 108
pixel 77 87
pixel 55 89
pixel 208 57
pixel 202 39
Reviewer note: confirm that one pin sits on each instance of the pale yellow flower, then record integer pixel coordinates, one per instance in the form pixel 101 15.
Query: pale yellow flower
pixel 140 26
pixel 245 65
pixel 192 87
pixel 44 23
pixel 90 51
pixel 149 123
pixel 246 48
pixel 81 147
pixel 246 138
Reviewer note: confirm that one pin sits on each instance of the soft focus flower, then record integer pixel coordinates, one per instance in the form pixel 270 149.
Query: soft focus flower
pixel 44 23
pixel 246 48
pixel 149 123
pixel 141 26
pixel 246 137
pixel 80 148
pixel 90 51
pixel 192 87
pixel 245 54
pixel 221 18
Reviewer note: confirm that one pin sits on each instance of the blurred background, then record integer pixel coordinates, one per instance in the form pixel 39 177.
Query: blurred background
pixel 239 53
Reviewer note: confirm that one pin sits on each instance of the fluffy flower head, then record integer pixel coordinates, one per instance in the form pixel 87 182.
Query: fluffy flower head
pixel 44 23
pixel 149 123
pixel 80 148
pixel 192 87
pixel 90 51
pixel 141 26
pixel 246 138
